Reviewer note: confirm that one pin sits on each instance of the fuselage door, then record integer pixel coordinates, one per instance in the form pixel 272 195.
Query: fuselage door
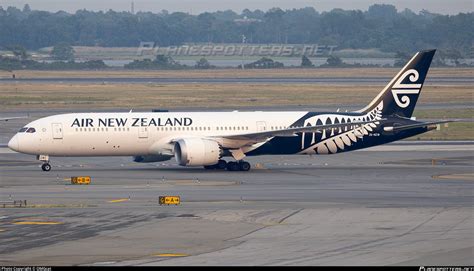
pixel 142 132
pixel 57 131
pixel 261 126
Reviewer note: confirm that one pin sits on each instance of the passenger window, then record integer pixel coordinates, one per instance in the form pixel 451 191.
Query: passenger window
pixel 31 130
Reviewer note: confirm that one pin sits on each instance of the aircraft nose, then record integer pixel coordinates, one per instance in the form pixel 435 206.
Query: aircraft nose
pixel 14 144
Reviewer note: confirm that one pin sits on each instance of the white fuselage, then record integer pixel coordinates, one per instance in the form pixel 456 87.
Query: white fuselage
pixel 139 133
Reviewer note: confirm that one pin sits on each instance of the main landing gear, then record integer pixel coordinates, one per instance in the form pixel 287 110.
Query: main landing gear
pixel 230 166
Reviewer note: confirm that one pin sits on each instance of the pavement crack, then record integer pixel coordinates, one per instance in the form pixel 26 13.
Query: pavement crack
pixel 248 233
pixel 290 215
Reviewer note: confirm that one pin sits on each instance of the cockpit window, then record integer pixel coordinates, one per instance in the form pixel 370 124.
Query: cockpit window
pixel 31 130
pixel 23 129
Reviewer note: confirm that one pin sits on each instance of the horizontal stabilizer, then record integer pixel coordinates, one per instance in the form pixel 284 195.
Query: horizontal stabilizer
pixel 412 126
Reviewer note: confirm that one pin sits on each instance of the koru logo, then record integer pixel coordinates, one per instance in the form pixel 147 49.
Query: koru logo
pixel 402 89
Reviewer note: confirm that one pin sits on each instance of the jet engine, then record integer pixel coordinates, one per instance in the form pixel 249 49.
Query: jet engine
pixel 197 152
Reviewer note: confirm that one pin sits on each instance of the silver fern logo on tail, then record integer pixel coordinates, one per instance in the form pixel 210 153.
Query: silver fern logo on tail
pixel 337 139
pixel 400 89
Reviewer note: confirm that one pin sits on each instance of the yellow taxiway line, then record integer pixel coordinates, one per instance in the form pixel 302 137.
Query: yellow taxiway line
pixel 37 223
pixel 461 176
pixel 171 255
pixel 118 200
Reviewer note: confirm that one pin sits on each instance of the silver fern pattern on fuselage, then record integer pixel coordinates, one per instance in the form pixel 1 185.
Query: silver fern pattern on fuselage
pixel 333 140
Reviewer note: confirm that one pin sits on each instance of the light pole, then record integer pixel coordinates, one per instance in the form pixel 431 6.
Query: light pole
pixel 242 51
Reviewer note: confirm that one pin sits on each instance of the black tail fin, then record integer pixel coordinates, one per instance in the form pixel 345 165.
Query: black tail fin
pixel 400 95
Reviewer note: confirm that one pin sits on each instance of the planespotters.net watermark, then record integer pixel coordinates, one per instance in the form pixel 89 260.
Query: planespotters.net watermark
pixel 310 50
pixel 25 268
pixel 445 268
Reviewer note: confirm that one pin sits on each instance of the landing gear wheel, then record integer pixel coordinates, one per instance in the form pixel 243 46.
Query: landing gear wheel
pixel 46 167
pixel 221 164
pixel 233 166
pixel 244 166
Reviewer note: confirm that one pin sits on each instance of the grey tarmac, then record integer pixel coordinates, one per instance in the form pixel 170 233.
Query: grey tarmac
pixel 398 204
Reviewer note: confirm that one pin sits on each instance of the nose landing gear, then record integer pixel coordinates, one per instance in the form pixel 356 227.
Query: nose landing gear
pixel 45 159
pixel 46 167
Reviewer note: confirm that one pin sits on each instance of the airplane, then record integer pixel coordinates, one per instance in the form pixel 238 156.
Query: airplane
pixel 205 138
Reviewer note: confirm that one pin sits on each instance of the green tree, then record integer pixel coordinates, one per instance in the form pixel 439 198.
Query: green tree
pixel 381 27
pixel 203 64
pixel 161 62
pixel 165 61
pixel 18 51
pixel 63 51
pixel 264 63
pixel 274 22
pixel 334 61
pixel 305 62
pixel 382 11
pixel 26 8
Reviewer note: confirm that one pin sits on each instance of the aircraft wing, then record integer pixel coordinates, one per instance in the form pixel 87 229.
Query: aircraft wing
pixel 264 135
pixel 12 118
pixel 416 125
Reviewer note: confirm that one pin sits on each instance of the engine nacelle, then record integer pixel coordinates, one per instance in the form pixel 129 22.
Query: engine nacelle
pixel 197 152
pixel 151 158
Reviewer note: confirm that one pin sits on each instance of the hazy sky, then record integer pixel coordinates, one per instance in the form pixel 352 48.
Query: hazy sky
pixel 196 6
